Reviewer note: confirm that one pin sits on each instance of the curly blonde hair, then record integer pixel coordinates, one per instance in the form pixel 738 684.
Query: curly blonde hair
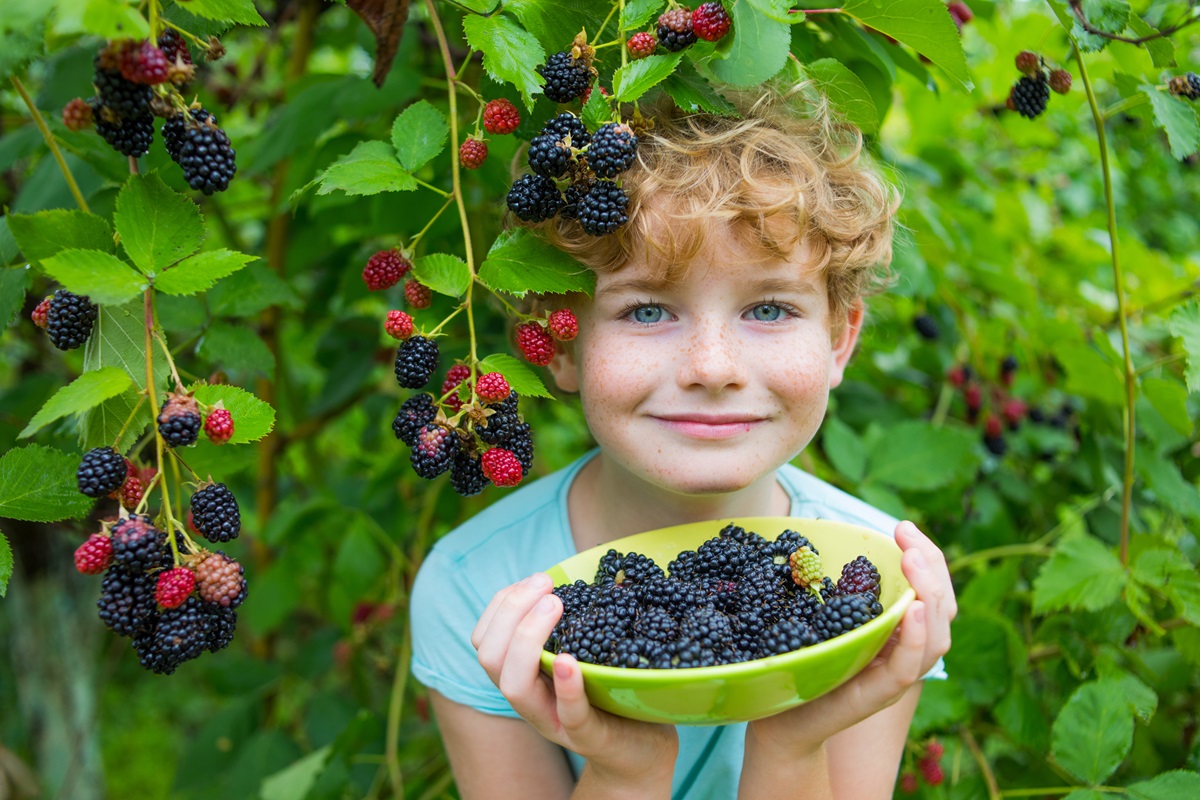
pixel 785 171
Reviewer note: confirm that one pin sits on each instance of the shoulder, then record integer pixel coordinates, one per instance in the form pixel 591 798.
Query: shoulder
pixel 813 497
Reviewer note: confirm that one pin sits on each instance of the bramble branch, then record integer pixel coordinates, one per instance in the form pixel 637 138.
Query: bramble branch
pixel 1077 7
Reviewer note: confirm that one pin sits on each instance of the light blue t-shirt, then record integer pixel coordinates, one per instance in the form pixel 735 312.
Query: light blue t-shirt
pixel 528 531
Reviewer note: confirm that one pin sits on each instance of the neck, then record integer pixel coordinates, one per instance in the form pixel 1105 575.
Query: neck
pixel 596 519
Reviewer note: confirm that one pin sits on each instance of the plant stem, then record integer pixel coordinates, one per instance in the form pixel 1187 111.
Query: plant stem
pixel 395 707
pixel 129 419
pixel 413 241
pixel 1000 552
pixel 432 188
pixel 152 393
pixel 1119 281
pixel 603 25
pixel 53 145
pixel 988 776
pixel 621 37
pixel 1124 104
pixel 170 361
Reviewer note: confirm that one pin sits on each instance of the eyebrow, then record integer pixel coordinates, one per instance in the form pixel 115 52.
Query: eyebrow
pixel 797 285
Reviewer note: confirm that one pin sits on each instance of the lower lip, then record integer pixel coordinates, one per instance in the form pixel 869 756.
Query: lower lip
pixel 706 430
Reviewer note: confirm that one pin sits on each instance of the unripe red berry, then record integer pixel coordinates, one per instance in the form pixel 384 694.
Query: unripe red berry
pixel 418 295
pixel 961 13
pixel 934 750
pixel 454 376
pixel 39 314
pixel 492 388
pixel 1060 81
pixel 1028 62
pixel 131 493
pixel 500 116
pixel 588 93
pixel 501 467
pixel 908 783
pixel 472 153
pixel 1014 411
pixel 77 114
pixel 993 427
pixel 95 555
pixel 174 586
pixel 710 21
pixel 218 426
pixel 958 375
pixel 535 343
pixel 974 396
pixel 641 45
pixel 143 62
pixel 931 771
pixel 385 269
pixel 563 325
pixel 399 325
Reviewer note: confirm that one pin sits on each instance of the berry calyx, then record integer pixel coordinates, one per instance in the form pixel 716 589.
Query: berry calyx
pixel 563 325
pixel 710 21
pixel 218 426
pixel 1028 62
pixel 675 31
pixel 535 343
pixel 101 471
pixel 1060 81
pixel 95 555
pixel 500 116
pixel 492 388
pixel 399 325
pixel 78 114
pixel 174 586
pixel 417 294
pixel 501 467
pixel 641 45
pixel 39 314
pixel 385 269
pixel 179 420
pixel 472 153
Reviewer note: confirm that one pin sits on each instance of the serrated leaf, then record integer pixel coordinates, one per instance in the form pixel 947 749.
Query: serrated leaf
pixel 117 422
pixel 636 13
pixel 157 225
pixel 1177 118
pixel 102 277
pixel 22 31
pixel 755 48
pixel 45 233
pixel 443 273
pixel 520 376
pixel 240 11
pixel 38 484
pixel 1089 374
pixel 1082 574
pixel 119 340
pixel 1169 398
pixel 1185 323
pixel 252 418
pixel 294 781
pixel 88 390
pixel 6 565
pixel 418 134
pixel 595 111
pixel 637 77
pixel 692 93
pixel 110 19
pixel 914 455
pixel 846 91
pixel 1093 732
pixel 923 25
pixel 1109 16
pixel 520 262
pixel 1174 785
pixel 13 283
pixel 510 53
pixel 1161 49
pixel 370 168
pixel 199 272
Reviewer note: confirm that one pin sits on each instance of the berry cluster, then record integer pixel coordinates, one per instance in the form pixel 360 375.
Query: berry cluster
pixel 678 28
pixel 929 768
pixel 1186 86
pixel 180 422
pixel 733 599
pixel 1030 95
pixel 201 149
pixel 536 337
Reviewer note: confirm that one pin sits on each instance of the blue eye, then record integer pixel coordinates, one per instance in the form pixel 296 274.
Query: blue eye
pixel 647 315
pixel 767 312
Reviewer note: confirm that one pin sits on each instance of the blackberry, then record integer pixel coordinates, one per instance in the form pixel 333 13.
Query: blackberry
pixel 466 475
pixel 828 589
pixel 215 513
pixel 503 425
pixel 203 151
pixel 101 471
pixel 926 326
pixel 69 319
pixel 179 635
pixel 222 622
pixel 657 624
pixel 549 156
pixel 689 655
pixel 126 602
pixel 996 445
pixel 589 642
pixel 684 566
pixel 472 153
pixel 124 98
pixel 143 62
pixel 576 597
pixel 179 421
pixel 220 581
pixel 520 444
pixel 534 198
pixel 786 636
pixel 500 116
pixel 433 451
pixel 129 136
pixel 1186 86
pixel 639 652
pixel 566 77
pixel 626 569
pixel 1030 95
pixel 1028 62
pixel 603 209
pixel 669 594
pixel 675 31
pixel 613 150
pixel 806 567
pixel 568 125
pixel 641 45
pixel 535 343
pixel 137 544
pixel 860 575
pixel 740 535
pixel 722 558
pixel 711 21
pixel 415 413
pixel 95 555
pixel 416 360
pixel 708 627
pixel 845 613
pixel 174 47
pixel 174 128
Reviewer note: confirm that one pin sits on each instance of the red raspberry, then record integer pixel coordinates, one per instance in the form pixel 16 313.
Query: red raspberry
pixel 710 21
pixel 535 344
pixel 492 388
pixel 1028 62
pixel 143 62
pixel 472 153
pixel 501 467
pixel 39 314
pixel 399 325
pixel 174 586
pixel 1014 411
pixel 974 396
pixel 418 295
pixel 563 325
pixel 95 555
pixel 1060 81
pixel 131 493
pixel 931 771
pixel 934 750
pixel 641 45
pixel 588 93
pixel 77 114
pixel 218 426
pixel 500 116
pixel 385 269
pixel 908 783
pixel 961 13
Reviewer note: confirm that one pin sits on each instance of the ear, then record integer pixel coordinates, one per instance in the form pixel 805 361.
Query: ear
pixel 564 369
pixel 843 345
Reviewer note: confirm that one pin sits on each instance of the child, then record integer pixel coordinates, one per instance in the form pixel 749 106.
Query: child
pixel 724 312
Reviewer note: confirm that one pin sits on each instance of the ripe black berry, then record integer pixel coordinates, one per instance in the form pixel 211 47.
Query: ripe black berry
pixel 179 635
pixel 502 424
pixel 415 413
pixel 567 125
pixel 549 155
pixel 126 602
pixel 433 451
pixel 845 613
pixel 222 622
pixel 101 471
pixel 137 544
pixel 675 31
pixel 215 513
pixel 69 319
pixel 613 149
pixel 466 475
pixel 572 196
pixel 534 198
pixel 202 150
pixel 124 98
pixel 416 360
pixel 129 136
pixel 566 77
pixel 926 326
pixel 179 421
pixel 603 209
pixel 860 575
pixel 1030 96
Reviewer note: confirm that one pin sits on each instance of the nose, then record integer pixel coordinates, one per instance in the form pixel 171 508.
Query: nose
pixel 712 358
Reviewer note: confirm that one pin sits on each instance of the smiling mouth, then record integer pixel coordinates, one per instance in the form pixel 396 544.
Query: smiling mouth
pixel 710 426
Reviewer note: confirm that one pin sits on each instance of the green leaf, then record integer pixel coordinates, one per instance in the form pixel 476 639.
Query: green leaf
pixel 87 391
pixel 692 93
pixel 199 272
pixel 777 10
pixel 1161 50
pixel 6 564
pixel 1093 732
pixel 296 780
pixel 45 233
pixel 846 91
pixel 1177 117
pixel 1174 785
pixel 1185 323
pixel 110 19
pixel 1169 398
pixel 510 53
pixel 923 25
pixel 1086 794
pixel 636 13
pixel 443 273
pixel 520 376
pixel 1162 476
pixel 637 77
pixel 102 277
pixel 38 484
pixel 117 422
pixel 236 349
pixel 1082 574
pixel 157 226
pixel 519 262
pixel 844 449
pixel 240 11
pixel 757 48
pixel 915 455
pixel 252 418
pixel 370 168
pixel 22 31
pixel 595 111
pixel 119 340
pixel 1109 16
pixel 979 661
pixel 13 283
pixel 418 134
pixel 1089 374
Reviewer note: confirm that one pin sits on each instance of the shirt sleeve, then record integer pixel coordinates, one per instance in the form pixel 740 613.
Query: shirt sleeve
pixel 443 610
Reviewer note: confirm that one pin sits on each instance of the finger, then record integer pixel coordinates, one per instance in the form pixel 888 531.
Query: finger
pixel 926 555
pixel 498 599
pixel 575 713
pixel 494 645
pixel 884 684
pixel 931 591
pixel 520 677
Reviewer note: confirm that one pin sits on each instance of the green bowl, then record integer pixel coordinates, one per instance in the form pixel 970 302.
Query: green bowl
pixel 752 689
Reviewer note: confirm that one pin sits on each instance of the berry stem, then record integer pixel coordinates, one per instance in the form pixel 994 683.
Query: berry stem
pixel 152 393
pixel 395 709
pixel 141 506
pixel 201 43
pixel 412 243
pixel 1122 310
pixel 989 777
pixel 433 188
pixel 945 396
pixel 53 145
pixel 621 35
pixel 170 361
pixel 449 317
pixel 604 25
pixel 155 25
pixel 1124 105
pixel 117 442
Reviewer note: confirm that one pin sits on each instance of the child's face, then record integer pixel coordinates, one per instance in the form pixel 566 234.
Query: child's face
pixel 707 385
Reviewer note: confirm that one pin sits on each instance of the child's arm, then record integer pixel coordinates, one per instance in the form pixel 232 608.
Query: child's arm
pixel 625 758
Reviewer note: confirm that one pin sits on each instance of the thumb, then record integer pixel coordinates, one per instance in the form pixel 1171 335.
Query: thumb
pixel 574 711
